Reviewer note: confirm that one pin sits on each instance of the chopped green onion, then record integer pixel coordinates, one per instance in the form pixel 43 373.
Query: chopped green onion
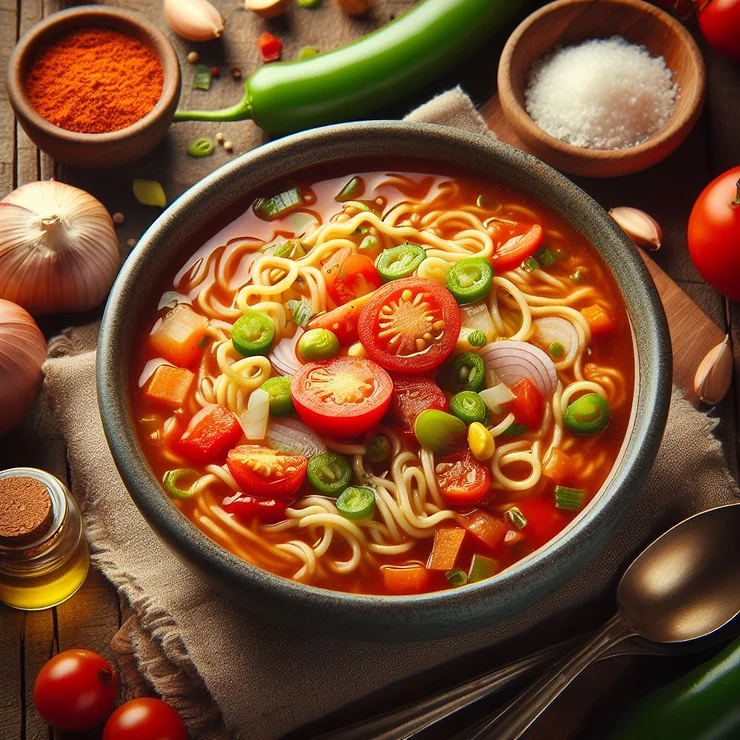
pixel 569 498
pixel 308 52
pixel 290 249
pixel 351 191
pixel 515 517
pixel 252 334
pixel 281 400
pixel 546 257
pixel 587 415
pixel 149 193
pixel 470 279
pixel 269 209
pixel 456 577
pixel 379 449
pixel 399 262
pixel 557 350
pixel 201 147
pixel 369 244
pixel 301 310
pixel 201 77
pixel 329 473
pixel 530 264
pixel 203 342
pixel 481 567
pixel 466 372
pixel 171 481
pixel 477 338
pixel 515 429
pixel 468 406
pixel 318 344
pixel 357 502
pixel 577 276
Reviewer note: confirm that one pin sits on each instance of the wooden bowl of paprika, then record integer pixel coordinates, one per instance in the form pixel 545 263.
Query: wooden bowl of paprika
pixel 94 87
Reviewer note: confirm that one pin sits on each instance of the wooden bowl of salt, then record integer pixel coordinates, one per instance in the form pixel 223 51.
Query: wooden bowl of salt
pixel 601 88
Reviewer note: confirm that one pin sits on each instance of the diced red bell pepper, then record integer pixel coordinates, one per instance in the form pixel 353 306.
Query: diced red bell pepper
pixel 528 406
pixel 210 433
pixel 486 528
pixel 267 509
pixel 270 47
pixel 544 521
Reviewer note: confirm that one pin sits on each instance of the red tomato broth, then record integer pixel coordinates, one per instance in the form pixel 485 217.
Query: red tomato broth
pixel 215 240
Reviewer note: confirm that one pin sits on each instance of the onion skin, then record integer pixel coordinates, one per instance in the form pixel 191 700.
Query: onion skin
pixel 22 353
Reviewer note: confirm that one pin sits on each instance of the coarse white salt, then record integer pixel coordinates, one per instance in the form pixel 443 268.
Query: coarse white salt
pixel 601 94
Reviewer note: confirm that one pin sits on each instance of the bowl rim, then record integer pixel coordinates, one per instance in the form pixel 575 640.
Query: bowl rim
pixel 675 127
pixel 72 18
pixel 445 612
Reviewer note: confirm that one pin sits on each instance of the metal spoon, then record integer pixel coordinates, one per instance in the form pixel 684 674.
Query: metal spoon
pixel 684 586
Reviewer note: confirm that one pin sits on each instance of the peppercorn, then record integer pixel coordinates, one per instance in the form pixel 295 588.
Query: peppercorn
pixel 236 73
pixel 193 57
pixel 228 146
pixel 118 218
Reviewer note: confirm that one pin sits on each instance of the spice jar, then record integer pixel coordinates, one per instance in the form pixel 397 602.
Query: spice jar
pixel 44 557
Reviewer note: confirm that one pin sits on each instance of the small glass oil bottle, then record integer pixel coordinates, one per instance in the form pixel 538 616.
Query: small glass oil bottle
pixel 44 556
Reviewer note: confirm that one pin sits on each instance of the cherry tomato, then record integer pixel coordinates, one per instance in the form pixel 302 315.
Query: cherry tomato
pixel 75 690
pixel 544 521
pixel 341 397
pixel 350 276
pixel 719 21
pixel 209 434
pixel 267 473
pixel 410 325
pixel 411 396
pixel 267 509
pixel 145 719
pixel 714 233
pixel 462 479
pixel 341 320
pixel 517 247
pixel 528 406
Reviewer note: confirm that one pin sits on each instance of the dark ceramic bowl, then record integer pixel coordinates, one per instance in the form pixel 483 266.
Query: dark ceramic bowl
pixel 95 151
pixel 386 617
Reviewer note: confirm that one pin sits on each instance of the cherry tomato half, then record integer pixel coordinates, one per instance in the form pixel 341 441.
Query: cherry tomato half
pixel 75 690
pixel 266 473
pixel 517 248
pixel 341 397
pixel 714 234
pixel 145 719
pixel 719 21
pixel 462 479
pixel 349 276
pixel 411 396
pixel 410 325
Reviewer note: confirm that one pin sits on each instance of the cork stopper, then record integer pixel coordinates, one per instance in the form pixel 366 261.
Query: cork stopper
pixel 25 510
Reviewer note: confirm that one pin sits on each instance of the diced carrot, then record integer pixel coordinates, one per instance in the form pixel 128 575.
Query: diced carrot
pixel 178 336
pixel 405 579
pixel 598 319
pixel 484 527
pixel 169 386
pixel 446 546
pixel 557 466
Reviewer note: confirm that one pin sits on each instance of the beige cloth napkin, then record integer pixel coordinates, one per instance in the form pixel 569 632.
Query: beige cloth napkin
pixel 231 674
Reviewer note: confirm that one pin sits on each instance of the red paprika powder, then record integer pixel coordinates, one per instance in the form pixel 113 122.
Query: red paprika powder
pixel 94 80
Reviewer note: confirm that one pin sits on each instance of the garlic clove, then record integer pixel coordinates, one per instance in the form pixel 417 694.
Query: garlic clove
pixel 641 228
pixel 194 20
pixel 267 8
pixel 714 374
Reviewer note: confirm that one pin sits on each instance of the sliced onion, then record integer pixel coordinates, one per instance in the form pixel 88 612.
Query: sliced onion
pixel 284 358
pixel 549 329
pixel 476 317
pixel 497 397
pixel 254 418
pixel 514 361
pixel 294 437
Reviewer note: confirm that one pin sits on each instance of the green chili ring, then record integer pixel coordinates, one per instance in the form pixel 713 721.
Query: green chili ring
pixel 329 473
pixel 468 406
pixel 281 402
pixel 470 279
pixel 201 147
pixel 466 372
pixel 399 262
pixel 587 415
pixel 252 334
pixel 171 480
pixel 357 502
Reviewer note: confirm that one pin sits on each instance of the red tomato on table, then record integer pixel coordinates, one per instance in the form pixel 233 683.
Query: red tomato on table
pixel 349 276
pixel 145 719
pixel 462 480
pixel 411 396
pixel 267 473
pixel 719 21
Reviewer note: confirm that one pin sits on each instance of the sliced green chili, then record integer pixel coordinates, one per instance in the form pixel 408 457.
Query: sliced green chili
pixel 329 473
pixel 252 334
pixel 514 429
pixel 171 481
pixel 587 415
pixel 278 205
pixel 466 372
pixel 399 262
pixel 470 279
pixel 318 344
pixel 379 449
pixel 201 77
pixel 546 256
pixel 281 401
pixel 369 244
pixel 515 517
pixel 357 502
pixel 351 191
pixel 530 264
pixel 557 350
pixel 481 568
pixel 477 338
pixel 308 52
pixel 438 431
pixel 201 147
pixel 468 406
pixel 290 249
pixel 570 499
pixel 456 577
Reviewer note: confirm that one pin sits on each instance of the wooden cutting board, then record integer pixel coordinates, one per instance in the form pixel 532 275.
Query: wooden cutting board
pixel 692 332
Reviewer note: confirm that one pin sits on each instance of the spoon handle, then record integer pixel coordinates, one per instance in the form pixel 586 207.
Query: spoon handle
pixel 519 715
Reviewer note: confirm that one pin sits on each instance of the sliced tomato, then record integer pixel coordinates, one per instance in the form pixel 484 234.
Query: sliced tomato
pixel 462 479
pixel 544 521
pixel 517 248
pixel 411 396
pixel 529 405
pixel 341 397
pixel 341 320
pixel 267 509
pixel 350 276
pixel 410 325
pixel 209 434
pixel 265 472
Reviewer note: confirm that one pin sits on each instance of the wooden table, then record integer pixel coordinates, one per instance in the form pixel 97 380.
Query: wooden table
pixel 93 616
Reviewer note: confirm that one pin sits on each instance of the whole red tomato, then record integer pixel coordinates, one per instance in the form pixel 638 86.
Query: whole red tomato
pixel 719 21
pixel 75 690
pixel 714 234
pixel 145 719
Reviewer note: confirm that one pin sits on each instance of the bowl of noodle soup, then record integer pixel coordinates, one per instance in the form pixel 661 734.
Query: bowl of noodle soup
pixel 396 395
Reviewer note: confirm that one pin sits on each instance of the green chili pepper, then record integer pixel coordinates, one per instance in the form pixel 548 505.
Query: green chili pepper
pixel 379 449
pixel 201 77
pixel 269 209
pixel 515 517
pixel 399 262
pixel 329 473
pixel 252 334
pixel 318 344
pixel 530 264
pixel 569 498
pixel 587 415
pixel 301 311
pixel 171 481
pixel 477 338
pixel 481 568
pixel 351 191
pixel 456 577
pixel 201 147
pixel 469 407
pixel 466 372
pixel 357 502
pixel 281 401
pixel 438 431
pixel 290 249
pixel 470 280
pixel 546 256
pixel 379 69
